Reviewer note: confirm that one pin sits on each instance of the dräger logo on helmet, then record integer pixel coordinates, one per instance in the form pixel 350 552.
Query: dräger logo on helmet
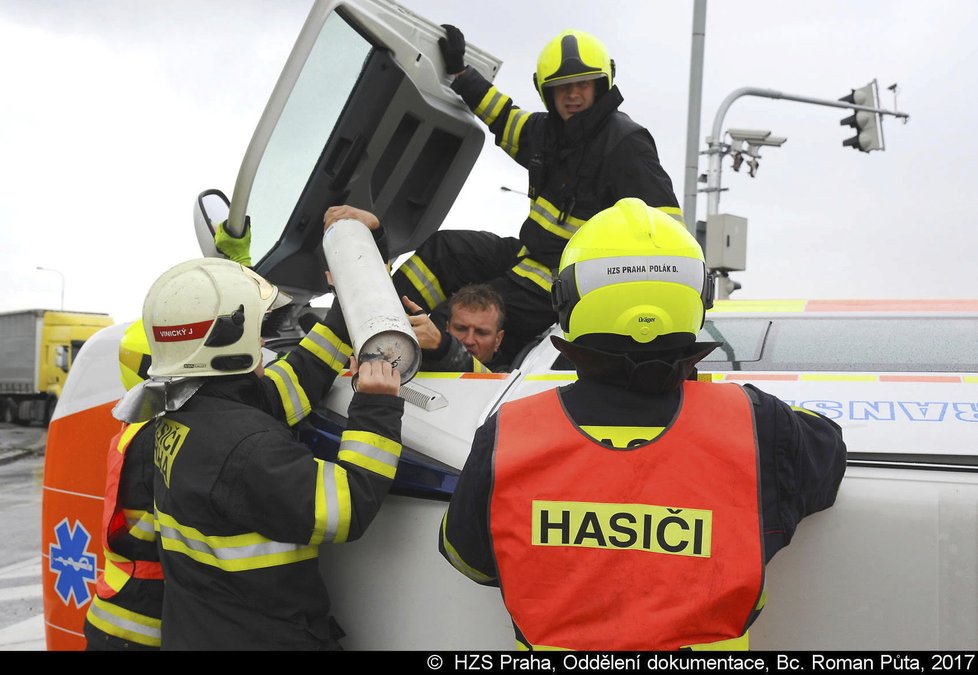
pixel 187 331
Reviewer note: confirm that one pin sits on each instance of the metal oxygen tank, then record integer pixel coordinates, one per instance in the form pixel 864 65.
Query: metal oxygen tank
pixel 375 317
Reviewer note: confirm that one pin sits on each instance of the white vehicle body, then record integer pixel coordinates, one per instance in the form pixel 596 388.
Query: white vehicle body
pixel 892 566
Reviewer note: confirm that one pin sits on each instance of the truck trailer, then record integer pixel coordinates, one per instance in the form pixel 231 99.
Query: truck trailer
pixel 37 348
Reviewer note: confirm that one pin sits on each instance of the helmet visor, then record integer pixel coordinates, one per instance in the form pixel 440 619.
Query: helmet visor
pixel 574 78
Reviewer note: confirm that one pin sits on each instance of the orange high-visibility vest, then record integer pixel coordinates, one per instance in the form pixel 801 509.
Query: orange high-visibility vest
pixel 655 547
pixel 118 568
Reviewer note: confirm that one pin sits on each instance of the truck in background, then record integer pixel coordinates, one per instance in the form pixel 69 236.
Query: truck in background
pixel 37 348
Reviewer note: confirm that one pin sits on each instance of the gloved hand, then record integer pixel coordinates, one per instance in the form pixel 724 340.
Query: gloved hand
pixel 452 49
pixel 237 249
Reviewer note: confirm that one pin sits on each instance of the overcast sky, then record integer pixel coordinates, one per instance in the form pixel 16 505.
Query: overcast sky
pixel 114 115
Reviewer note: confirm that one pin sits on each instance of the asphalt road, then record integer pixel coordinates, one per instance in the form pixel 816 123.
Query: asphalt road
pixel 21 481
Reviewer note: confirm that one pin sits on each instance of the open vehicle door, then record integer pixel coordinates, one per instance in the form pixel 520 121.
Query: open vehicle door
pixel 362 114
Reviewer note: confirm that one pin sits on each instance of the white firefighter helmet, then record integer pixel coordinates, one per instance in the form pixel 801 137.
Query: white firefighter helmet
pixel 203 317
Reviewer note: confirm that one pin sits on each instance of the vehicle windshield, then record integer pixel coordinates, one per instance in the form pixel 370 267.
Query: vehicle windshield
pixel 307 121
pixel 925 344
pixel 898 344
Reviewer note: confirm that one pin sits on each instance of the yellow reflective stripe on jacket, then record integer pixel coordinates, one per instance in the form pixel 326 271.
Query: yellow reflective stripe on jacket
pixel 535 272
pixel 334 506
pixel 510 140
pixel 140 524
pixel 114 620
pixel 424 281
pixel 456 560
pixel 674 211
pixel 235 553
pixel 488 111
pixel 294 399
pixel 547 216
pixel 490 105
pixel 370 451
pixel 328 348
pixel 126 436
pixel 113 576
pixel 478 367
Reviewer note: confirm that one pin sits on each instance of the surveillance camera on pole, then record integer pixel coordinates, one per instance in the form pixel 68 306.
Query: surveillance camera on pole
pixel 869 138
pixel 749 135
pixel 867 125
pixel 753 147
pixel 754 139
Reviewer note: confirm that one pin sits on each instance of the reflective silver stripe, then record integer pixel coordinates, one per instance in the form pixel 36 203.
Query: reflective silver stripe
pixel 594 274
pixel 456 560
pixel 326 346
pixel 489 106
pixel 359 447
pixel 142 528
pixel 139 520
pixel 229 552
pixel 548 221
pixel 332 501
pixel 291 389
pixel 534 270
pixel 421 275
pixel 101 612
pixel 513 126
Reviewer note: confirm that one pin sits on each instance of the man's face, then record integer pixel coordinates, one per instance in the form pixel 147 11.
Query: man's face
pixel 572 98
pixel 477 330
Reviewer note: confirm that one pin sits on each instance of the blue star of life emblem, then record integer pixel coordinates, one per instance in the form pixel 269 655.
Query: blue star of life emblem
pixel 74 566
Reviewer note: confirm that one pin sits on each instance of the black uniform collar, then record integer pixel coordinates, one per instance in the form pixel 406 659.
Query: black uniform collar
pixel 652 374
pixel 585 123
pixel 244 388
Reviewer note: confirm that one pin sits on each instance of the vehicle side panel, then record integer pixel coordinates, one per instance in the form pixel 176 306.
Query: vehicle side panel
pixel 892 566
pixel 71 518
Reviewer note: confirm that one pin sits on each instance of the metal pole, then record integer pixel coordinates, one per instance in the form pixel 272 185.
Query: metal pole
pixel 690 187
pixel 714 140
pixel 48 269
pixel 716 151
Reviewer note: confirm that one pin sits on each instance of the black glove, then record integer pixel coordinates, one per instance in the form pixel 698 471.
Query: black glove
pixel 452 49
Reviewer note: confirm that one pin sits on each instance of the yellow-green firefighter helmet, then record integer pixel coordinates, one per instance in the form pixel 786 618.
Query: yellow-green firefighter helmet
pixel 632 272
pixel 573 56
pixel 134 355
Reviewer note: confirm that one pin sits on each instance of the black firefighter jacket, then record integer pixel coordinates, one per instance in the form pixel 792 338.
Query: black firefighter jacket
pixel 243 507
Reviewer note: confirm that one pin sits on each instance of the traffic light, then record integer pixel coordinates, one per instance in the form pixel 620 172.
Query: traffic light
pixel 868 125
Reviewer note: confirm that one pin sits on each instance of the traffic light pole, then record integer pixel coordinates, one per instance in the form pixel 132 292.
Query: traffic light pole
pixel 716 150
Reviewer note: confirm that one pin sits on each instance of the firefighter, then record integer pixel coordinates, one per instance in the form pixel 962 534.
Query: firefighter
pixel 636 508
pixel 582 156
pixel 241 506
pixel 125 612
